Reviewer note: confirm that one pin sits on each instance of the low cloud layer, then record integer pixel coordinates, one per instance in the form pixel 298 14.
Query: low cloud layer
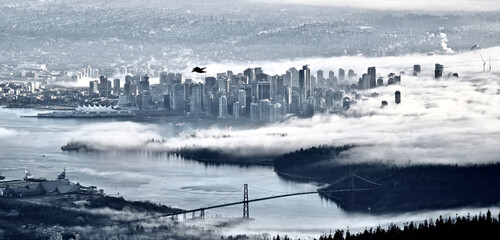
pixel 449 120
pixel 115 136
pixel 4 133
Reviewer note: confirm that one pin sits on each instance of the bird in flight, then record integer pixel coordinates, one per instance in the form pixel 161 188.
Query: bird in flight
pixel 199 69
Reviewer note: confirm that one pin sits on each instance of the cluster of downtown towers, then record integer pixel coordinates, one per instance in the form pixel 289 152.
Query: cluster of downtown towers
pixel 252 94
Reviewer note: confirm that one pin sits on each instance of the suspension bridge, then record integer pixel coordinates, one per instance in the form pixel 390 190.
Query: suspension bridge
pixel 350 183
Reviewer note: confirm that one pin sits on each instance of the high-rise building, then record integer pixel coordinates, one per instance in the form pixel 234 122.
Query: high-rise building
pixel 144 85
pixel 93 87
pixel 438 72
pixel 223 85
pixel 372 71
pixel 254 112
pixel 223 106
pixel 294 73
pixel 288 78
pixel 280 86
pixel 346 103
pixel 146 101
pixel 249 72
pixel 416 69
pixel 166 101
pixel 329 98
pixel 178 78
pixel 397 96
pixel 319 75
pixel 338 95
pixel 364 82
pixel 178 97
pixel 210 83
pixel 380 82
pixel 296 101
pixel 264 109
pixel 133 89
pixel 104 86
pixel 170 78
pixel 242 98
pixel 248 96
pixel 351 75
pixel 331 79
pixel 264 90
pixel 341 76
pixel 163 78
pixel 258 70
pixel 126 87
pixel 305 82
pixel 196 103
pixel 236 110
pixel 208 100
pixel 116 86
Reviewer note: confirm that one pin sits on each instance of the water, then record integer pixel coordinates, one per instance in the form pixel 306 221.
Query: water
pixel 34 144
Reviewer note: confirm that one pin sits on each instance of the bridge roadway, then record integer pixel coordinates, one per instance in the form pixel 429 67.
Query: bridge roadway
pixel 249 201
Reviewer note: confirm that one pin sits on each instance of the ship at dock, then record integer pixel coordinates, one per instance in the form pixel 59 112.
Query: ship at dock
pixel 94 111
pixel 31 186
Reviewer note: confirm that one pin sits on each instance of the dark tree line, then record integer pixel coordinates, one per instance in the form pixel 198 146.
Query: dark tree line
pixel 482 226
pixel 405 187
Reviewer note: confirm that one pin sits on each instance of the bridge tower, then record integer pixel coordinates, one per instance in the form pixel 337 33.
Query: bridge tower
pixel 352 189
pixel 246 211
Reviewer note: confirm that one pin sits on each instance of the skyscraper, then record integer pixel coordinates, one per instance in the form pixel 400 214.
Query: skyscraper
pixel 305 82
pixel 104 86
pixel 236 110
pixel 319 76
pixel 438 71
pixel 331 79
pixel 341 76
pixel 329 98
pixel 178 97
pixel 280 86
pixel 249 72
pixel 416 69
pixel 163 78
pixel 196 99
pixel 264 90
pixel 351 75
pixel 178 78
pixel 397 96
pixel 223 106
pixel 380 82
pixel 346 103
pixel 144 84
pixel 116 86
pixel 93 87
pixel 364 81
pixel 258 70
pixel 373 77
pixel 254 112
pixel 126 87
pixel 242 98
pixel 210 83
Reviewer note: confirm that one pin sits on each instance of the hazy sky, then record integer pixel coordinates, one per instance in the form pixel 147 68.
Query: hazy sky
pixel 440 5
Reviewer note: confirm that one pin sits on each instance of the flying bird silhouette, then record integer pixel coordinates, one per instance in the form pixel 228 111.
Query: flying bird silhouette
pixel 199 69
